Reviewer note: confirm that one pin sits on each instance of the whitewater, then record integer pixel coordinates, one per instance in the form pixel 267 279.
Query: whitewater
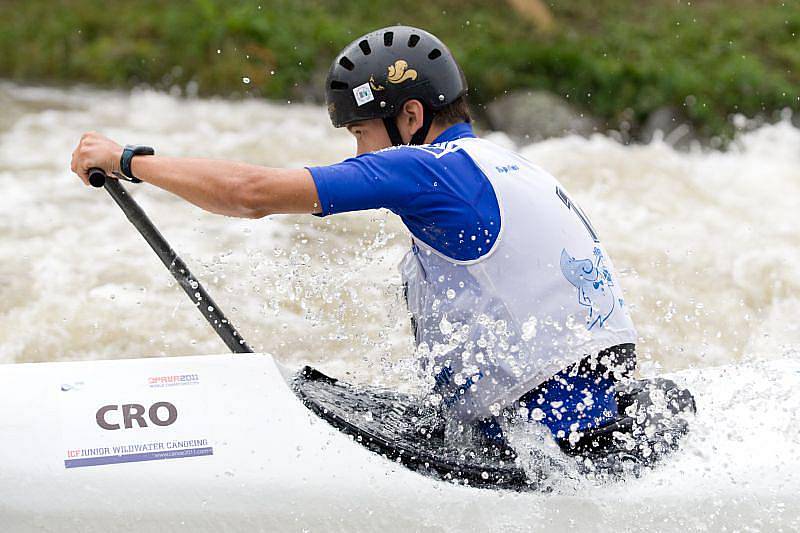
pixel 706 243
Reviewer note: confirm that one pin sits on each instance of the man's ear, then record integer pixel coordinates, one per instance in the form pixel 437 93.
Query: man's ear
pixel 413 115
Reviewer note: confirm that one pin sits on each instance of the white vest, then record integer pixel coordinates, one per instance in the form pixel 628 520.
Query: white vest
pixel 543 297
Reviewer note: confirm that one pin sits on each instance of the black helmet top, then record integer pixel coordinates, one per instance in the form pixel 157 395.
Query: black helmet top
pixel 377 73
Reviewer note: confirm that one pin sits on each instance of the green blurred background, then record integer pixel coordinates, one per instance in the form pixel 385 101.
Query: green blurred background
pixel 618 60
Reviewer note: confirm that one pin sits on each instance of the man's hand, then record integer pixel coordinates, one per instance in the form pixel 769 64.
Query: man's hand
pixel 95 151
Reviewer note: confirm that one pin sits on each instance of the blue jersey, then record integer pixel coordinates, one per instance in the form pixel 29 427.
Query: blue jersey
pixel 440 194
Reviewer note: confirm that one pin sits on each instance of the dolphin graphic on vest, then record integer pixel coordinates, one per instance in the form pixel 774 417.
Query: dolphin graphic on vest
pixel 594 284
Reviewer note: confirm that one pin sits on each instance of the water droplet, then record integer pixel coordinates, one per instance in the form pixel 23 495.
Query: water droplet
pixel 537 414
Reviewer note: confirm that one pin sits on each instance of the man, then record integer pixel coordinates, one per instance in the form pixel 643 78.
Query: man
pixel 514 301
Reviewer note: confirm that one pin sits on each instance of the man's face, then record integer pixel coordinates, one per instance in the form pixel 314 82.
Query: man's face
pixel 370 135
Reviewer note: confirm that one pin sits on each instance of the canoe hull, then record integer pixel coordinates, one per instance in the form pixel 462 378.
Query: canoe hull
pixel 260 461
pixel 241 450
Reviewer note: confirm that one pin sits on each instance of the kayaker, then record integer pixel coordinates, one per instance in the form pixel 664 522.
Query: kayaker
pixel 515 303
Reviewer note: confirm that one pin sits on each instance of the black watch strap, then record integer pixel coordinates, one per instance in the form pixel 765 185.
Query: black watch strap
pixel 128 153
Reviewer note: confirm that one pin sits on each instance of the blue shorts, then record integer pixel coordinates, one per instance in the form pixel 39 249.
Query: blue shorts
pixel 567 402
pixel 576 399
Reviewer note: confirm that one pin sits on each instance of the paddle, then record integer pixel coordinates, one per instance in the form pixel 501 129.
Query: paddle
pixel 191 286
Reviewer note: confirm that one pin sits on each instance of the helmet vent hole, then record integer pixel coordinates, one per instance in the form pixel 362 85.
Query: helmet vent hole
pixel 346 63
pixel 413 40
pixel 388 38
pixel 434 53
pixel 364 45
pixel 337 85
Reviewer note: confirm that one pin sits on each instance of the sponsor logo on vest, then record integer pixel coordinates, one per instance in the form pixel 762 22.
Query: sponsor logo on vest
pixel 159 414
pixel 594 284
pixel 505 169
pixel 399 72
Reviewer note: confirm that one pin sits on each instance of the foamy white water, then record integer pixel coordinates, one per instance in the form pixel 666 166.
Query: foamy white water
pixel 706 243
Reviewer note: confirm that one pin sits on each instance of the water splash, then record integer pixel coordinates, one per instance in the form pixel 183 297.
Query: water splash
pixel 706 267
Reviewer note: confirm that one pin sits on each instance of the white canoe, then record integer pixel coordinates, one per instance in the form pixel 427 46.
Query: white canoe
pixel 228 447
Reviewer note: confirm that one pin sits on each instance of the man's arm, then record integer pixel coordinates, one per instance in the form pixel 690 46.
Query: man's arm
pixel 231 188
pixel 223 187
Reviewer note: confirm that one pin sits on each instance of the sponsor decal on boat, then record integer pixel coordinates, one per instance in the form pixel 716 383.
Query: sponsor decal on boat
pixel 134 415
pixel 137 452
pixel 173 381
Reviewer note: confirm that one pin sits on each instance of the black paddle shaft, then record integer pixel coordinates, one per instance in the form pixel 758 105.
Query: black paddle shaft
pixel 174 264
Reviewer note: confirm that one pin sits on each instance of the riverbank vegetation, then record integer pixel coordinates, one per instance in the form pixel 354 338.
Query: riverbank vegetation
pixel 618 60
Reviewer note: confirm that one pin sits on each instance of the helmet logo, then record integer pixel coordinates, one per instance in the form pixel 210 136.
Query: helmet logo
pixel 375 85
pixel 399 74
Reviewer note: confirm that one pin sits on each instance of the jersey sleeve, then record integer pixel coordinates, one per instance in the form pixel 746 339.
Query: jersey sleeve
pixel 442 197
pixel 389 178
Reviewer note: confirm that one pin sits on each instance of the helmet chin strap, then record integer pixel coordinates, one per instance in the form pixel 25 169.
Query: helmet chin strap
pixel 390 123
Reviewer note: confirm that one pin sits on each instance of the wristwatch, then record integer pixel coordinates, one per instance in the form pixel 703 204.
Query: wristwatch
pixel 128 153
